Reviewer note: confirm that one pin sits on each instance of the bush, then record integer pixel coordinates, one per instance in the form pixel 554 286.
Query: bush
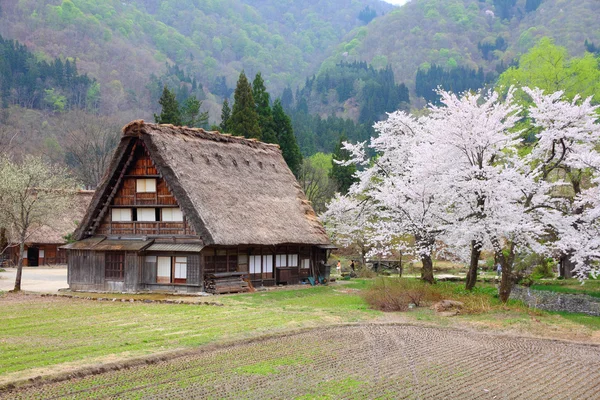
pixel 396 294
pixel 544 269
pixel 366 273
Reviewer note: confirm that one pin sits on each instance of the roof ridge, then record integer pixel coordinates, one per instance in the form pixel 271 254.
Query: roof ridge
pixel 138 127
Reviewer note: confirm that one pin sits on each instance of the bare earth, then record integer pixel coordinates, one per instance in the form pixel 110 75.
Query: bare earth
pixel 356 362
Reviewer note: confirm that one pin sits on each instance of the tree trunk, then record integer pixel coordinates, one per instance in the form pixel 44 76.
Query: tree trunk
pixel 472 273
pixel 19 267
pixel 506 259
pixel 427 270
pixel 566 265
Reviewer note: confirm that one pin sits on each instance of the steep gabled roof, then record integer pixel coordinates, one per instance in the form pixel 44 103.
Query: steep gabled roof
pixel 232 190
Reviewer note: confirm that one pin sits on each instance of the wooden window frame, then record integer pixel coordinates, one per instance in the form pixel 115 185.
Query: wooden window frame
pixel 145 189
pixel 173 261
pixel 114 265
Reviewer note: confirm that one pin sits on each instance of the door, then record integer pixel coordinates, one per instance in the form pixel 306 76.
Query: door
pixel 33 254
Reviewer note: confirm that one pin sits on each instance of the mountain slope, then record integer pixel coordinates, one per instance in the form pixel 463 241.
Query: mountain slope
pixel 121 43
pixel 454 33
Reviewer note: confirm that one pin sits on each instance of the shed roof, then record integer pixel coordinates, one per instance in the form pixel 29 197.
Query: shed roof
pixel 233 190
pixel 63 223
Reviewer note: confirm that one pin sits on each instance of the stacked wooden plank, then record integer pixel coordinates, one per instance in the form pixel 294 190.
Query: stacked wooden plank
pixel 225 282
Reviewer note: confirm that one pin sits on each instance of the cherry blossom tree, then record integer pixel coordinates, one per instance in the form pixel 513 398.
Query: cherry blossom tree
pixel 399 188
pixel 566 153
pixel 458 176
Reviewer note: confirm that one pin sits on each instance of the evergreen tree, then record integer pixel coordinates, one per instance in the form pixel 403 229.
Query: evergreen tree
pixel 342 175
pixel 170 113
pixel 263 108
pixel 190 114
pixel 287 99
pixel 225 117
pixel 285 137
pixel 244 118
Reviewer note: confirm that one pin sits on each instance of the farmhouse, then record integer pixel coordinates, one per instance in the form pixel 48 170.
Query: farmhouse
pixel 181 205
pixel 43 243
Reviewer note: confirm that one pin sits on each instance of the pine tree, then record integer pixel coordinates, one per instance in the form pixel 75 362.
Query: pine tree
pixel 285 137
pixel 190 114
pixel 342 175
pixel 225 117
pixel 244 118
pixel 263 108
pixel 170 113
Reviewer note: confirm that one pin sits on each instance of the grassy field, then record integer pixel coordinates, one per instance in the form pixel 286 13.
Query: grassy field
pixel 591 287
pixel 40 335
pixel 49 335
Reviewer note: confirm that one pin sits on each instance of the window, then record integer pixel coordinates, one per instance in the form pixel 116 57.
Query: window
pixel 114 265
pixel 286 260
pixel 121 214
pixel 146 214
pixel 41 253
pixel 180 269
pixel 267 264
pixel 172 214
pixel 163 270
pixel 292 260
pixel 281 260
pixel 305 263
pixel 146 185
pixel 255 264
pixel 171 270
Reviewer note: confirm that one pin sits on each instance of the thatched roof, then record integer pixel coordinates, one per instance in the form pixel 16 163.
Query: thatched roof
pixel 62 224
pixel 232 190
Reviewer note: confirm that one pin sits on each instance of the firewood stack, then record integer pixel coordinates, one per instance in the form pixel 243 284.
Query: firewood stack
pixel 225 282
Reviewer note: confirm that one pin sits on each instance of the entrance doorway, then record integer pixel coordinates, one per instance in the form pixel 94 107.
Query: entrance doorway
pixel 33 255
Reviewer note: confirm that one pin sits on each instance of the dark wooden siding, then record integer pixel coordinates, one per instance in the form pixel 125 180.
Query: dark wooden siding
pixel 193 269
pixel 86 269
pixel 131 271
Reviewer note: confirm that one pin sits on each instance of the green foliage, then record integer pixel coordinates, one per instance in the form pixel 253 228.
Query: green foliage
pixel 244 118
pixel 263 108
pixel 545 269
pixel 549 67
pixel 190 113
pixel 375 90
pixel 367 14
pixel 343 175
pixel 186 114
pixel 286 139
pixel 170 113
pixel 225 116
pixel 27 82
pixel 457 80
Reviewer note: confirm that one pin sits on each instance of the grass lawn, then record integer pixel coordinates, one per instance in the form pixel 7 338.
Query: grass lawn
pixel 44 334
pixel 47 335
pixel 591 287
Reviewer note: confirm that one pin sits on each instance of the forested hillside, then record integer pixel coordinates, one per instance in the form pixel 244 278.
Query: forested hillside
pixel 122 44
pixel 467 33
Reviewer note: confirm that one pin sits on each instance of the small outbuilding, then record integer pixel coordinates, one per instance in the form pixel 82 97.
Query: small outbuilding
pixel 179 206
pixel 43 243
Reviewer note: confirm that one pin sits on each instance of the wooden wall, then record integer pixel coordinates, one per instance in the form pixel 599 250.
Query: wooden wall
pixel 127 197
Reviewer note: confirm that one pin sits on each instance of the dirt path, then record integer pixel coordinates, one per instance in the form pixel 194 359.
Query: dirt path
pixel 36 279
pixel 356 362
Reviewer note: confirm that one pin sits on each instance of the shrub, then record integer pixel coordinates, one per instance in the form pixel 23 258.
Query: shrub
pixel 544 269
pixel 396 294
pixel 366 273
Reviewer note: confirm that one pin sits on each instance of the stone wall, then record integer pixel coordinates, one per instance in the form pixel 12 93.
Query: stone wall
pixel 553 301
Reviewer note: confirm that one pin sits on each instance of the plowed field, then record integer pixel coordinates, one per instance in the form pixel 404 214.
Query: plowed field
pixel 356 362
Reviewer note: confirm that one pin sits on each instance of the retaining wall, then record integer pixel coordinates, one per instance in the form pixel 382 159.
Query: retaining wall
pixel 553 301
